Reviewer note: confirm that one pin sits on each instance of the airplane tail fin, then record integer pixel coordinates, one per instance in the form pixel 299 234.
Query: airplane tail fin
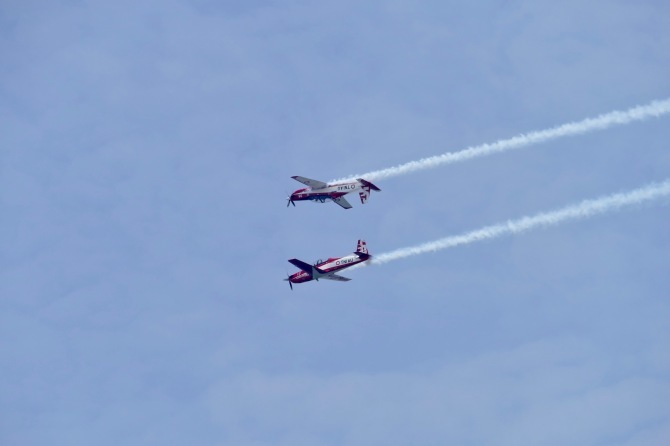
pixel 365 194
pixel 362 248
pixel 367 186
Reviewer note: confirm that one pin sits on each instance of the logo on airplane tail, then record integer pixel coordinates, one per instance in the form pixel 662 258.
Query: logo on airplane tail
pixel 365 194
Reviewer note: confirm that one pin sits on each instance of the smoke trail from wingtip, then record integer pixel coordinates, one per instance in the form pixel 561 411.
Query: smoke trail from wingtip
pixel 639 113
pixel 585 209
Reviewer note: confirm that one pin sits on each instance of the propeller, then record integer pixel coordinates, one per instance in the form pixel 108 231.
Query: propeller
pixel 288 279
pixel 290 200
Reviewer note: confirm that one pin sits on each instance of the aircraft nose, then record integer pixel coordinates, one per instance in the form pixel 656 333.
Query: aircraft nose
pixel 291 199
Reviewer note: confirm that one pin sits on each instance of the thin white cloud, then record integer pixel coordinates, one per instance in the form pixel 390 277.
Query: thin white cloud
pixel 640 113
pixel 511 394
pixel 585 209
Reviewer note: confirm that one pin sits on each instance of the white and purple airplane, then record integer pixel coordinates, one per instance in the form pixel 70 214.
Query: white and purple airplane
pixel 327 269
pixel 318 191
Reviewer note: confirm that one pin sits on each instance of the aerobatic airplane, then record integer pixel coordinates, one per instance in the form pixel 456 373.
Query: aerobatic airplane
pixel 318 191
pixel 327 269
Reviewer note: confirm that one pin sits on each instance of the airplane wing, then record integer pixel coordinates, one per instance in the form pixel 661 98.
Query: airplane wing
pixel 342 202
pixel 335 277
pixel 314 184
pixel 302 265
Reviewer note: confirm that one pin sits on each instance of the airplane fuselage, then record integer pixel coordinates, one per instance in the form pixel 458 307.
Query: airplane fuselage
pixel 320 192
pixel 329 266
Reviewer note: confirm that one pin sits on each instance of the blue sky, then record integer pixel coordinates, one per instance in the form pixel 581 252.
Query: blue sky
pixel 147 149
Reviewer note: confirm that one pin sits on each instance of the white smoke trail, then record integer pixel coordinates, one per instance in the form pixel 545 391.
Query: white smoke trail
pixel 585 209
pixel 639 113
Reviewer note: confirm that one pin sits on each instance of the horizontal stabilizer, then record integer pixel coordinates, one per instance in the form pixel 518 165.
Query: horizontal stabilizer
pixel 369 184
